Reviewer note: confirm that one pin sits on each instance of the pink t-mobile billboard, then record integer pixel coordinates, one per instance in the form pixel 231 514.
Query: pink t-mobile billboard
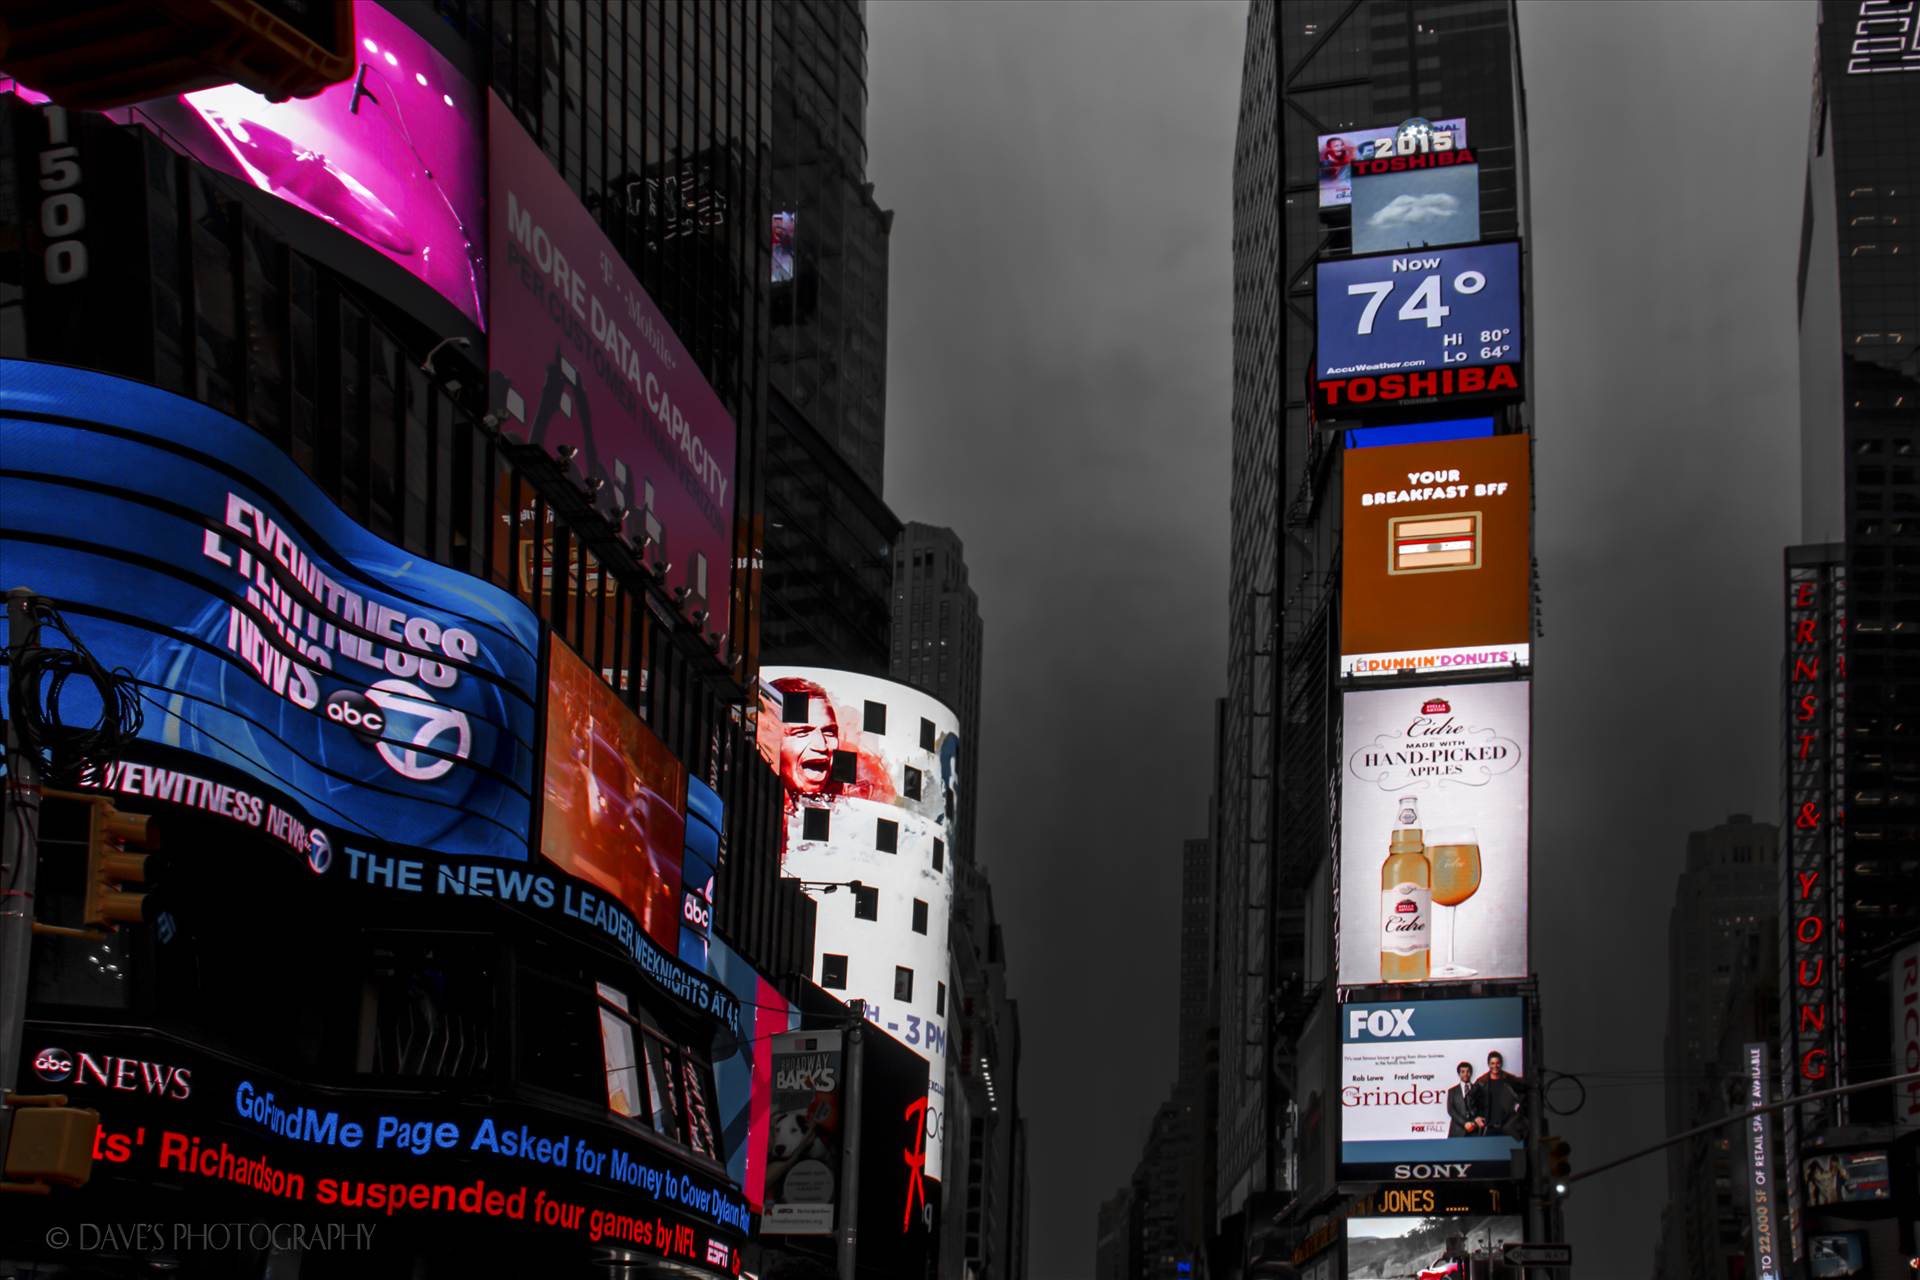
pixel 391 157
pixel 582 357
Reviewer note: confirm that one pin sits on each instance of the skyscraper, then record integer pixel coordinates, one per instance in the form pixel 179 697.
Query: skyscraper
pixel 1113 1247
pixel 937 642
pixel 1850 881
pixel 829 353
pixel 827 580
pixel 983 1093
pixel 829 537
pixel 1859 291
pixel 1311 67
pixel 1724 918
pixel 1196 960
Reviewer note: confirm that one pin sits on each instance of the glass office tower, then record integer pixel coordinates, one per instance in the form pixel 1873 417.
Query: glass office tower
pixel 1312 67
pixel 1851 839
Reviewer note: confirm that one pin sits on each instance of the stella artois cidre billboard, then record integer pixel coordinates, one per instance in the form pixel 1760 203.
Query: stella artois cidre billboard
pixel 1433 834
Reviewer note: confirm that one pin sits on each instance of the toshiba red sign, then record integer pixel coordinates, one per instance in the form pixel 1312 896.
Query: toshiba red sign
pixel 1422 324
pixel 1418 160
pixel 1344 393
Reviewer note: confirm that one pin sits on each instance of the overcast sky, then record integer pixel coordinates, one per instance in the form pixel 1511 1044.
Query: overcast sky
pixel 1059 388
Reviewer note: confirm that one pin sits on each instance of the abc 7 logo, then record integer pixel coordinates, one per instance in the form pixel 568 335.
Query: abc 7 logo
pixel 415 736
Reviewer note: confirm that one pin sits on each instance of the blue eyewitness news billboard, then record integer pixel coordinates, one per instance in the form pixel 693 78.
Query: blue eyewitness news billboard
pixel 1428 324
pixel 370 690
pixel 1433 1089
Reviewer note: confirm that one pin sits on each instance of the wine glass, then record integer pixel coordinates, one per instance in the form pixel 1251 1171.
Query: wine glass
pixel 1454 853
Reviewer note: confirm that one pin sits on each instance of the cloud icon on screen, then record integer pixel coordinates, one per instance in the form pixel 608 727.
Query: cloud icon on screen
pixel 1412 211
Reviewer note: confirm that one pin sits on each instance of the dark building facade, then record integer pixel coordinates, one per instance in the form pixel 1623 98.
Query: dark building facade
pixel 1859 289
pixel 985 1155
pixel 829 537
pixel 1310 69
pixel 826 586
pixel 1113 1243
pixel 1850 885
pixel 938 641
pixel 541 1014
pixel 829 355
pixel 1720 933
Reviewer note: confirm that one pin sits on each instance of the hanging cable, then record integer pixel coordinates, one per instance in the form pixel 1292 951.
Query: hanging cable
pixel 36 686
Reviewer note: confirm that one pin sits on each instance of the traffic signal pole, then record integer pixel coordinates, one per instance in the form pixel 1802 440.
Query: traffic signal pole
pixel 1740 1117
pixel 848 1236
pixel 19 861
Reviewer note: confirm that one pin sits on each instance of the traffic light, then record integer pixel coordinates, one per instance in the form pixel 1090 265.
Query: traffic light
pixel 96 54
pixel 120 851
pixel 1556 1161
pixel 51 1144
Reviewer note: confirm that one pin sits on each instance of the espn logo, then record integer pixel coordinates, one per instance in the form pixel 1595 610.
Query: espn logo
pixel 1433 544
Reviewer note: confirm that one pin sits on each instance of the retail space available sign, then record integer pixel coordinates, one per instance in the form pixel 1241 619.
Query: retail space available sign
pixel 1432 1090
pixel 1424 325
pixel 295 671
pixel 1436 572
pixel 1762 1204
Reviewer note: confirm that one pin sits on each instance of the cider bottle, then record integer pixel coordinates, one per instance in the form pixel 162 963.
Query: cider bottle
pixel 1406 901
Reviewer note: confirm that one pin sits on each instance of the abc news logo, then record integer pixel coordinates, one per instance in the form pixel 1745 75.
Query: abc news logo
pixel 109 1071
pixel 696 910
pixel 413 735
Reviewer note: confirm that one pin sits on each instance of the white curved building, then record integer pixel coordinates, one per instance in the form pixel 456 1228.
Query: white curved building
pixel 871 770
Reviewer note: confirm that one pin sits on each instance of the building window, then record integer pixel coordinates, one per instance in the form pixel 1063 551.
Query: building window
pixel 919 916
pixel 814 824
pixel 846 767
pixel 651 1079
pixel 886 835
pixel 616 1045
pixel 902 983
pixel 926 734
pixel 940 998
pixel 866 904
pixel 794 706
pixel 939 853
pixel 874 720
pixel 913 783
pixel 833 972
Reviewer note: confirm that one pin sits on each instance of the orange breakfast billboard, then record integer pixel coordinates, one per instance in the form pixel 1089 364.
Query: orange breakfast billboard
pixel 1436 571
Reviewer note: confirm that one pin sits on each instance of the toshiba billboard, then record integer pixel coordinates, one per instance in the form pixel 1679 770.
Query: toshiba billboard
pixel 1436 570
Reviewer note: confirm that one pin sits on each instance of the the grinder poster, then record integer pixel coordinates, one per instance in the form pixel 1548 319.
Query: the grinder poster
pixel 1433 833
